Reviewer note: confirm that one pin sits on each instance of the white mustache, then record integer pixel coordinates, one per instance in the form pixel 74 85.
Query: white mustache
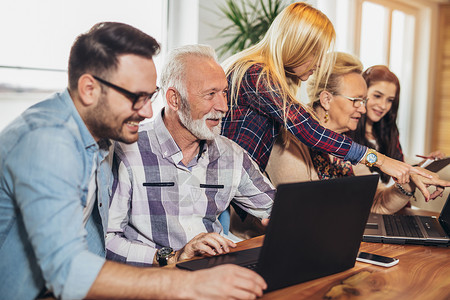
pixel 214 115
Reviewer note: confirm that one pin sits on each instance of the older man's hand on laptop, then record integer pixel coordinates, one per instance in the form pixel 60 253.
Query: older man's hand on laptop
pixel 205 243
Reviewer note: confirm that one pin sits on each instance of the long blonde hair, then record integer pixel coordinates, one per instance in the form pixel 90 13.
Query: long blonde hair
pixel 298 33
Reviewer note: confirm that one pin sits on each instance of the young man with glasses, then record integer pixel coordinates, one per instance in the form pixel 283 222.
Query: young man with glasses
pixel 55 179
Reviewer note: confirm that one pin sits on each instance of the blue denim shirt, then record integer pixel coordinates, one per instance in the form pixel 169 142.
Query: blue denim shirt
pixel 46 159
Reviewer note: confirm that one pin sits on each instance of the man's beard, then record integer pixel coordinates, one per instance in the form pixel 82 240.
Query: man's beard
pixel 103 125
pixel 198 127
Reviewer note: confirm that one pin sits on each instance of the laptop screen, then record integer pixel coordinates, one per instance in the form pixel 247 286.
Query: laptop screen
pixel 444 218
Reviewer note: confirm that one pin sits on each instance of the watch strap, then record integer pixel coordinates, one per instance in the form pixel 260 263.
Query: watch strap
pixel 162 261
pixel 163 255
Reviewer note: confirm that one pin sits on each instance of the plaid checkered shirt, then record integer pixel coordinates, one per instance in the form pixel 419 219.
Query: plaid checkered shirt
pixel 158 201
pixel 257 118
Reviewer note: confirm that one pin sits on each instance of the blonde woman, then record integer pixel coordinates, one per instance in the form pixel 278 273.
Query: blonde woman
pixel 264 80
pixel 340 104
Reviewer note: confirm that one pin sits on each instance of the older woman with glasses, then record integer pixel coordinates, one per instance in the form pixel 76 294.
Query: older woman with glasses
pixel 339 104
pixel 378 129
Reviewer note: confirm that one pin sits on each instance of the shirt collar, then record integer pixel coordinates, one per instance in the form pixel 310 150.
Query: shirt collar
pixel 168 146
pixel 202 148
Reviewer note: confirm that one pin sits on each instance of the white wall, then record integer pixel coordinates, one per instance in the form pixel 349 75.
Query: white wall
pixel 39 34
pixel 211 22
pixel 183 23
pixel 199 21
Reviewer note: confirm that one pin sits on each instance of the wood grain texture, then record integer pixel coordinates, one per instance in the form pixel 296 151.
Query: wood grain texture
pixel 423 272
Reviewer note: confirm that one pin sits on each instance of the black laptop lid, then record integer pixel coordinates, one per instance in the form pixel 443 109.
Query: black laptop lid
pixel 316 229
pixel 444 217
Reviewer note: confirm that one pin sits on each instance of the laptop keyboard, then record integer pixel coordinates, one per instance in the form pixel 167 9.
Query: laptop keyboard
pixel 402 226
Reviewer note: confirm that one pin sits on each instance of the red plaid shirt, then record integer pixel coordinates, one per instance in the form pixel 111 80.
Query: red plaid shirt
pixel 257 118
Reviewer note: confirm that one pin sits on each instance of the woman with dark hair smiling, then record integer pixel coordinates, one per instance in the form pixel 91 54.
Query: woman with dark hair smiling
pixel 378 127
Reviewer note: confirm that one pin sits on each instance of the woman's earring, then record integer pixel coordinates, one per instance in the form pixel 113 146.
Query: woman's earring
pixel 327 117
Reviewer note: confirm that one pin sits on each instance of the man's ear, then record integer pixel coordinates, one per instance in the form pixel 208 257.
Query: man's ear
pixel 173 99
pixel 325 98
pixel 89 90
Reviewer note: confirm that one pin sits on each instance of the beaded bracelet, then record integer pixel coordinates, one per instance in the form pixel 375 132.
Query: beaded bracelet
pixel 403 191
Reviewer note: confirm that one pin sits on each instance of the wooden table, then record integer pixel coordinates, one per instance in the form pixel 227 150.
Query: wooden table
pixel 423 272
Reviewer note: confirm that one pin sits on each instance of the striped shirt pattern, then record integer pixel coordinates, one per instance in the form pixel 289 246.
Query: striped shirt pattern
pixel 257 118
pixel 157 201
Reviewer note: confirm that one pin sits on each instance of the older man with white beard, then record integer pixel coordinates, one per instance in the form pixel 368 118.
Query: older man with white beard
pixel 170 187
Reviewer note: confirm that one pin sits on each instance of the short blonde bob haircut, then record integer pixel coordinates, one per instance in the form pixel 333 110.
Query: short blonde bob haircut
pixel 345 64
pixel 298 33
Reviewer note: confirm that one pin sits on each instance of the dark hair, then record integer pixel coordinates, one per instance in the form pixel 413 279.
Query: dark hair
pixel 385 131
pixel 97 51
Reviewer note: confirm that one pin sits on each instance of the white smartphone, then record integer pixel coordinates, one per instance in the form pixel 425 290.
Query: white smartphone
pixel 375 259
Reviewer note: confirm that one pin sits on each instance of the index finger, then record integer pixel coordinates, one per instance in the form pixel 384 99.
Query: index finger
pixel 420 172
pixel 436 182
pixel 423 189
pixel 218 242
pixel 441 182
pixel 438 192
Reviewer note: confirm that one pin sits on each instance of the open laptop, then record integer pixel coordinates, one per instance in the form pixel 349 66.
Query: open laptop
pixel 315 230
pixel 403 229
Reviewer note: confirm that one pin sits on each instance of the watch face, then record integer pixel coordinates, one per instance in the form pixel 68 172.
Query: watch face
pixel 371 158
pixel 165 251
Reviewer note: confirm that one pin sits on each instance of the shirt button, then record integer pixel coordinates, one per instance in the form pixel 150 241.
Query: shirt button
pixel 100 204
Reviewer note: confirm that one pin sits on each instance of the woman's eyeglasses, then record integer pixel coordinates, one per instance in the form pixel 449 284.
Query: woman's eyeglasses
pixel 357 102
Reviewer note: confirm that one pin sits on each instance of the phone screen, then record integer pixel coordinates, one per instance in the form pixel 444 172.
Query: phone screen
pixel 374 257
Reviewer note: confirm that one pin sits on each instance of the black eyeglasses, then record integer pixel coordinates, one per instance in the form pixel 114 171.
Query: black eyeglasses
pixel 357 102
pixel 139 99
